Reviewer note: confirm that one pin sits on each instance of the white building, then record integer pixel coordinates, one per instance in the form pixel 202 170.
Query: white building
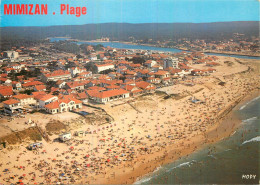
pixel 103 67
pixel 66 103
pixel 111 95
pixel 25 99
pixel 11 54
pixel 11 106
pixel 45 99
pixel 171 62
pixel 56 75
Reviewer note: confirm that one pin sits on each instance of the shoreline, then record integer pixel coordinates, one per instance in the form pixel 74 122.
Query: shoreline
pixel 182 49
pixel 214 134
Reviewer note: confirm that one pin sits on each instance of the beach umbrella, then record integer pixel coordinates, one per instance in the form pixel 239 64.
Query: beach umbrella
pixel 87 155
pixel 35 183
pixel 88 165
pixel 116 156
pixel 24 175
pixel 20 180
pixel 108 160
pixel 21 183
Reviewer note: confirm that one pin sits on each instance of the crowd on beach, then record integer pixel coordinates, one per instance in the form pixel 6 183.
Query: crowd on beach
pixel 127 143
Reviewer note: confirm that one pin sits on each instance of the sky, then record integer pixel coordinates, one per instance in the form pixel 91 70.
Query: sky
pixel 136 11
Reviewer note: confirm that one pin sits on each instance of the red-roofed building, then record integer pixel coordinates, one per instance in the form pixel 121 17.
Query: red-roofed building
pixel 145 86
pixel 133 90
pixel 44 99
pixel 111 95
pixel 103 67
pixel 56 75
pixel 12 106
pixel 6 91
pixel 31 85
pixel 63 104
pixel 40 88
pixel 74 85
pixel 25 99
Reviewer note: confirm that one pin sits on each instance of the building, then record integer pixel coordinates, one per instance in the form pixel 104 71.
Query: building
pixel 25 99
pixel 12 106
pixel 66 103
pixel 6 91
pixel 56 75
pixel 11 54
pixel 145 86
pixel 171 62
pixel 111 95
pixel 44 99
pixel 103 67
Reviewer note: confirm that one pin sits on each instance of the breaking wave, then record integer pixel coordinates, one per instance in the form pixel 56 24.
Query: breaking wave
pixel 255 139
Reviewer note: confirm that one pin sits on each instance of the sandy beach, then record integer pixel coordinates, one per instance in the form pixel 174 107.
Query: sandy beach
pixel 146 131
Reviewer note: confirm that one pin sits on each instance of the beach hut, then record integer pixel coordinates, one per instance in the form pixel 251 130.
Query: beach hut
pixel 65 136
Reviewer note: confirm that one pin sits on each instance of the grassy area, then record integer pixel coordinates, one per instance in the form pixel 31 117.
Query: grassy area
pixel 55 126
pixel 17 137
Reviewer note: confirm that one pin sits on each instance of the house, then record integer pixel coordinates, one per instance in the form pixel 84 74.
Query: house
pixel 56 75
pixel 161 74
pixel 25 99
pixel 63 104
pixel 82 97
pixel 16 85
pixel 133 90
pixel 150 63
pixel 6 91
pixel 44 99
pixel 61 84
pixel 40 88
pixel 75 70
pixel 111 95
pixel 74 85
pixel 170 62
pixel 31 85
pixel 145 86
pixel 103 67
pixel 12 106
pixel 86 74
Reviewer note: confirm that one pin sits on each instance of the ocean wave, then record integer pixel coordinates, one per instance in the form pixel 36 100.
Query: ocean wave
pixel 255 139
pixel 233 133
pixel 212 156
pixel 244 106
pixel 249 120
pixel 182 164
pixel 148 177
pixel 145 179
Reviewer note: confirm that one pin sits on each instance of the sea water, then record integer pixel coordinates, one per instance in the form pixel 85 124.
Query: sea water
pixel 233 160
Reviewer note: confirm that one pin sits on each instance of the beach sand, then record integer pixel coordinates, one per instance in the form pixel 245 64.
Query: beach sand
pixel 150 132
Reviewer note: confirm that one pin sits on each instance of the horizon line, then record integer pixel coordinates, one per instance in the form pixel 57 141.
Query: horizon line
pixel 130 23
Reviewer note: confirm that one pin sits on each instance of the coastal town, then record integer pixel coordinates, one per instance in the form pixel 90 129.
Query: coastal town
pixel 237 44
pixel 109 115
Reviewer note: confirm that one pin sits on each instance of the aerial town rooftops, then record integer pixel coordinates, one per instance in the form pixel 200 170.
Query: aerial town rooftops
pixel 11 102
pixel 110 93
pixel 22 96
